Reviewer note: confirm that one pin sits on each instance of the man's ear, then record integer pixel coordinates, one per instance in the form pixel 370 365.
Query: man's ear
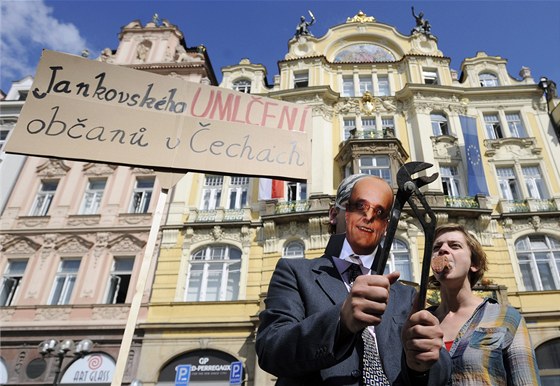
pixel 333 212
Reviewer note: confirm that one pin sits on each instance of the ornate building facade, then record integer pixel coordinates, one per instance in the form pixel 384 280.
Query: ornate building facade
pixel 379 99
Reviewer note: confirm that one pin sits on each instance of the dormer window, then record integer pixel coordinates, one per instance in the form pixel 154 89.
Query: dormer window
pixel 488 80
pixel 301 79
pixel 430 76
pixel 242 85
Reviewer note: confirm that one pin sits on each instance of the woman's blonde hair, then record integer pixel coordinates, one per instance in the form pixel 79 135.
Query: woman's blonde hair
pixel 478 256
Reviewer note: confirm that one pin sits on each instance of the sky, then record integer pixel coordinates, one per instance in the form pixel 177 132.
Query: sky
pixel 526 33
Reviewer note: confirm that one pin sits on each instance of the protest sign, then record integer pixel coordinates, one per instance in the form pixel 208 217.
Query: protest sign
pixel 87 110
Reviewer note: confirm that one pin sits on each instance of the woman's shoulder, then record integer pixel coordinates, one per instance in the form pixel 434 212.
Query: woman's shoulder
pixel 502 312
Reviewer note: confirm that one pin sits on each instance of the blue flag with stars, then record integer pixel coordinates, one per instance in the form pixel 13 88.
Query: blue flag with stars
pixel 476 180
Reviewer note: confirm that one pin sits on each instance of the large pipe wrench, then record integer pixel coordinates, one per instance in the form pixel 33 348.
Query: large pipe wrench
pixel 407 187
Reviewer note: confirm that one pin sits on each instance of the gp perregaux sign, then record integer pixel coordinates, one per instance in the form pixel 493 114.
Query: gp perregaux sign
pixel 87 110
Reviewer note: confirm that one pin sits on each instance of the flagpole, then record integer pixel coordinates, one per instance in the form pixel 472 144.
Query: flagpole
pixel 149 256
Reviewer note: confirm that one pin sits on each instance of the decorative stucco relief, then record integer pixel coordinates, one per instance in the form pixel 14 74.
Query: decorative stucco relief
pixel 52 313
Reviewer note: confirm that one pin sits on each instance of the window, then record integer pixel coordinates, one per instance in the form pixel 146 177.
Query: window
pixel 439 124
pixel 539 262
pixel 142 195
pixel 515 125
pixel 64 281
pixel 379 166
pixel 296 191
pixel 383 85
pixel 294 249
pixel 93 196
pixel 214 274
pixel 399 260
pixel 6 124
pixel 44 198
pixel 534 182
pixel 237 192
pixel 211 192
pixel 119 280
pixel 301 79
pixel 348 86
pixel 450 181
pixel 10 282
pixel 430 76
pixel 548 361
pixel 509 189
pixel 242 85
pixel 349 124
pixel 488 80
pixel 368 124
pixel 366 84
pixel 388 125
pixel 493 126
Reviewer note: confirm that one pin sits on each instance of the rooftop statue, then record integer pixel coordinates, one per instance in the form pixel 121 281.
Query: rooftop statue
pixel 302 28
pixel 422 25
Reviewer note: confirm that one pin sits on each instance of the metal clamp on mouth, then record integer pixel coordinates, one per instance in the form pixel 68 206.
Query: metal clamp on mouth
pixel 407 187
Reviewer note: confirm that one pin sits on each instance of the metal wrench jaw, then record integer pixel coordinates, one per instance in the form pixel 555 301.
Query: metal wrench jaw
pixel 404 175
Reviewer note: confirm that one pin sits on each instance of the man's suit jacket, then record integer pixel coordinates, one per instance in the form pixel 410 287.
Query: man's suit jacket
pixel 298 329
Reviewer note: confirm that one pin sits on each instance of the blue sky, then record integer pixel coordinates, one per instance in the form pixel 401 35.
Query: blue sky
pixel 526 33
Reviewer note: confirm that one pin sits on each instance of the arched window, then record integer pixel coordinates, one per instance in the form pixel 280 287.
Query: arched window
pixel 488 80
pixel 399 260
pixel 213 274
pixel 294 249
pixel 242 85
pixel 548 361
pixel 439 124
pixel 539 262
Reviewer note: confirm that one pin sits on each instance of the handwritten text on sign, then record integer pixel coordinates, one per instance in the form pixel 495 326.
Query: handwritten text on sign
pixel 86 110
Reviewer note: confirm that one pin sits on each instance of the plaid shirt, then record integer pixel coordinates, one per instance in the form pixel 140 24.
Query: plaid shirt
pixel 493 348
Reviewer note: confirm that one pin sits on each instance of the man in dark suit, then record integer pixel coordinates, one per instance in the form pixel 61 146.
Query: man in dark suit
pixel 310 332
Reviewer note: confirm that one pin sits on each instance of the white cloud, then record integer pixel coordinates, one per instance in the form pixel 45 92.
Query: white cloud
pixel 27 27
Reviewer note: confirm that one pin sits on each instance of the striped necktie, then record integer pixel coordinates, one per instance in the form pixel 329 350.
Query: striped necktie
pixel 372 371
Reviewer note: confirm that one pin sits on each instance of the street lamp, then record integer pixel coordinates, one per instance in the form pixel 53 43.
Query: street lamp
pixel 61 349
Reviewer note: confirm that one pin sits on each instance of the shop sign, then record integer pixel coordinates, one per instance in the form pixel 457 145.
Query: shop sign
pixel 95 368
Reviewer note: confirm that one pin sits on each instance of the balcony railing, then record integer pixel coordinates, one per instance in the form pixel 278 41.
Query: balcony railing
pixel 372 134
pixel 461 202
pixel 528 205
pixel 219 215
pixel 514 206
pixel 292 206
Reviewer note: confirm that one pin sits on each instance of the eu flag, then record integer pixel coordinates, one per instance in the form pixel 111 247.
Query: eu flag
pixel 476 181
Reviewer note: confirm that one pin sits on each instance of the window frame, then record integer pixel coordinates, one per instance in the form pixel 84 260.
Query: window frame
pixel 440 123
pixel 291 252
pixel 430 76
pixel 113 292
pixel 516 127
pixel 397 256
pixel 383 85
pixel 551 259
pixel 488 79
pixel 44 198
pixel 451 181
pixel 8 296
pixel 301 79
pixel 348 86
pixel 69 278
pixel 238 187
pixel 204 257
pixel 242 85
pixel 506 182
pixel 93 196
pixel 494 129
pixel 142 205
pixel 368 169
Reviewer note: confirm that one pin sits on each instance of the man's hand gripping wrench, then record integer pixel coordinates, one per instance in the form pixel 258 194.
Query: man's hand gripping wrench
pixel 407 186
